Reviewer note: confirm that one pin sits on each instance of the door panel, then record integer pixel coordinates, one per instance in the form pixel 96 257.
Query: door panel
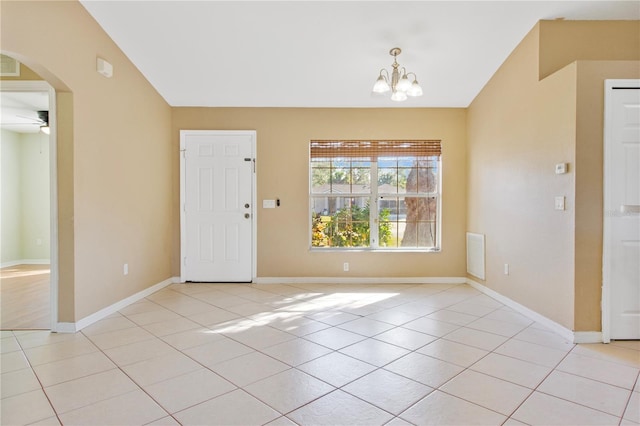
pixel 622 204
pixel 218 186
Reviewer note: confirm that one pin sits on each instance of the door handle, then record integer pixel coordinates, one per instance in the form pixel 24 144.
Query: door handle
pixel 630 208
pixel 247 215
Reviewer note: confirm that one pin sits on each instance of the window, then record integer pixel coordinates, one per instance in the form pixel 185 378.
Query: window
pixel 378 195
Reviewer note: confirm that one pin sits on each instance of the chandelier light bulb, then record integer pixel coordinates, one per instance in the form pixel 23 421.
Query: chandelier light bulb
pixel 398 84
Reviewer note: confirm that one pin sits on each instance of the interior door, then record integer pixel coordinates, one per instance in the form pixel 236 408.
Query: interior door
pixel 622 208
pixel 217 186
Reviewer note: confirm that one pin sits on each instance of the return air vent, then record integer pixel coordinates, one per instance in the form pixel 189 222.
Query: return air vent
pixel 9 67
pixel 475 255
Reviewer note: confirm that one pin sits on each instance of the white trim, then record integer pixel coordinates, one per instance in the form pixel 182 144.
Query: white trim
pixel 360 280
pixel 533 315
pixel 72 327
pixel 587 337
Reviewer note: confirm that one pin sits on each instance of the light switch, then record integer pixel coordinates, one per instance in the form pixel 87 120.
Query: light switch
pixel 268 204
pixel 560 203
pixel 561 168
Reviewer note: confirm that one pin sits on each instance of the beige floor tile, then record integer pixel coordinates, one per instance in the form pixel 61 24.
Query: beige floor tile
pixel 113 339
pixel 394 316
pixel 332 317
pixel 374 352
pixel 165 421
pixel 476 338
pixel 336 369
pixel 424 369
pixel 388 390
pixel 632 412
pixel 298 325
pixel 296 352
pixel 281 421
pixel 12 361
pixel 59 351
pixel 601 370
pixel 512 370
pixel 139 351
pixel 486 391
pixel 544 338
pixel 531 352
pixel 452 317
pixel 108 324
pixel 219 351
pixel 161 368
pixel 596 395
pixel 627 344
pixel 151 317
pixel 611 353
pixel 51 421
pixel 405 338
pixel 165 328
pixel 431 326
pixel 261 337
pixel 340 408
pixel 73 368
pixel 288 390
pixel 234 408
pixel 497 327
pixel 40 338
pixel 192 338
pixel 249 368
pixel 334 338
pixel 17 382
pixel 471 308
pixel 510 316
pixel 419 307
pixel 145 305
pixel 88 390
pixel 186 306
pixel 440 409
pixel 249 309
pixel 25 408
pixel 9 344
pixel 366 326
pixel 452 352
pixel 133 408
pixel 542 409
pixel 213 315
pixel 188 390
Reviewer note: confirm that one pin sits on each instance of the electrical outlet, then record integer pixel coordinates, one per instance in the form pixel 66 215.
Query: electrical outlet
pixel 125 269
pixel 506 269
pixel 345 266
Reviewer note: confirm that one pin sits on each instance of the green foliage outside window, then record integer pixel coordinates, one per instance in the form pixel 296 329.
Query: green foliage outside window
pixel 349 227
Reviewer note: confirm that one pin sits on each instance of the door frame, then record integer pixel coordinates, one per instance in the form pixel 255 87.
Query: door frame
pixel 609 84
pixel 183 187
pixel 43 86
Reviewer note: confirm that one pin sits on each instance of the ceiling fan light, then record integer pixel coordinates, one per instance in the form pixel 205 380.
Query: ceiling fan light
pixel 381 85
pixel 415 89
pixel 399 96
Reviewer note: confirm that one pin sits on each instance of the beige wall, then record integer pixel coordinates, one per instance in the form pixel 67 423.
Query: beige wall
pixel 520 126
pixel 114 156
pixel 283 172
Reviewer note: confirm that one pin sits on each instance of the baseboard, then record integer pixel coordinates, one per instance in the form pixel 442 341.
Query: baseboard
pixel 533 315
pixel 72 327
pixel 359 280
pixel 587 337
pixel 25 262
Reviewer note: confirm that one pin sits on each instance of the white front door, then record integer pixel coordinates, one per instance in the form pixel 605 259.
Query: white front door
pixel 621 269
pixel 217 192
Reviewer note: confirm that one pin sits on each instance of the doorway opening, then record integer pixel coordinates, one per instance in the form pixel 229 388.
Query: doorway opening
pixel 28 273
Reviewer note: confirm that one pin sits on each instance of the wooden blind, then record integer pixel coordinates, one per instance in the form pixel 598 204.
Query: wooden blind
pixel 374 148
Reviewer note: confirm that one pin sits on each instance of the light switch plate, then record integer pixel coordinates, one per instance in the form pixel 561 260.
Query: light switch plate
pixel 560 203
pixel 561 168
pixel 268 204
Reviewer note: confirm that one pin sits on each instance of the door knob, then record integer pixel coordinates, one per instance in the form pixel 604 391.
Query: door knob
pixel 247 215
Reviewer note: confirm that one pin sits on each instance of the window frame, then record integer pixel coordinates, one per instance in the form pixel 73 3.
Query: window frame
pixel 374 197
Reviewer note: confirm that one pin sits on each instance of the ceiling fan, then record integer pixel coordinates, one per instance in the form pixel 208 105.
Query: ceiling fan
pixel 41 121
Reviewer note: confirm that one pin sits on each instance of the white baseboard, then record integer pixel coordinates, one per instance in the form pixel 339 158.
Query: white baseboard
pixel 25 262
pixel 359 280
pixel 570 335
pixel 72 327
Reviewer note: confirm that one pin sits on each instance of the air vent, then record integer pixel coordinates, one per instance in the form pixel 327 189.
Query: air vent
pixel 9 67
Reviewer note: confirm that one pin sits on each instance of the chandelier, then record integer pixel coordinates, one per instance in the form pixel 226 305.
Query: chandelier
pixel 398 83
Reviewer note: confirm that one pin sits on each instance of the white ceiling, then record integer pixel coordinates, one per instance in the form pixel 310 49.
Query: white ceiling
pixel 325 53
pixel 19 112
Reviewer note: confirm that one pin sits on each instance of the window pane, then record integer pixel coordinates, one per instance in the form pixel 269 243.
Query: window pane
pixel 420 219
pixel 387 180
pixel 361 180
pixel 340 222
pixel 320 179
pixel 407 180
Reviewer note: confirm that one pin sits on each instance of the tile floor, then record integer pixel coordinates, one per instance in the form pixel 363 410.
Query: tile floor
pixel 316 355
